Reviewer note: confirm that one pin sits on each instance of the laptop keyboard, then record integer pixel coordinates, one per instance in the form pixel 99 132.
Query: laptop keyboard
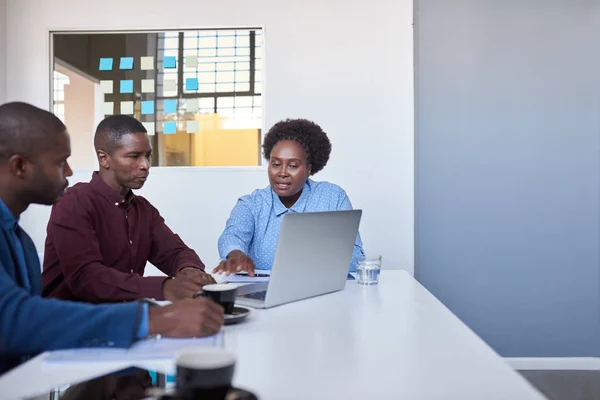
pixel 256 295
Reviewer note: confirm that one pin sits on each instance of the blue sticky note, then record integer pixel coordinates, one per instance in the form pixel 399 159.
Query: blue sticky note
pixel 169 127
pixel 105 64
pixel 148 107
pixel 191 83
pixel 126 63
pixel 126 86
pixel 169 62
pixel 170 106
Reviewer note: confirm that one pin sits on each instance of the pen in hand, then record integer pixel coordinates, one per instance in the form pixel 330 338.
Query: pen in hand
pixel 255 275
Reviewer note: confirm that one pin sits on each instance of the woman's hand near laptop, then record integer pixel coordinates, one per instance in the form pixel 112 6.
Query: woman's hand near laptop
pixel 236 261
pixel 187 318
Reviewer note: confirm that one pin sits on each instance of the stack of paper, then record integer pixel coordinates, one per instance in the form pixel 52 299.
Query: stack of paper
pixel 151 349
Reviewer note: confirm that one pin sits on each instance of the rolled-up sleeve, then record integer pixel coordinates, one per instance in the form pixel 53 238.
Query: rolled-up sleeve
pixel 239 230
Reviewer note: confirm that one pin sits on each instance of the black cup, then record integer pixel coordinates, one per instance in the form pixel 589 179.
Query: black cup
pixel 204 373
pixel 222 293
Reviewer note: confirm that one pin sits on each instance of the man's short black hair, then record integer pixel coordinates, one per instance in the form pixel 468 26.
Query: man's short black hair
pixel 308 134
pixel 24 129
pixel 112 129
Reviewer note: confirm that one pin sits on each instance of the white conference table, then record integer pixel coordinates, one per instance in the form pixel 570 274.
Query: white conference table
pixel 393 340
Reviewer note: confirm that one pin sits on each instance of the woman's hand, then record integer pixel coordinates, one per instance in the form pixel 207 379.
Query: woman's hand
pixel 236 261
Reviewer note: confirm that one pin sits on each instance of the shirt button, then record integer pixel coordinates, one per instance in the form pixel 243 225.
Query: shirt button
pixel 132 271
pixel 130 242
pixel 117 204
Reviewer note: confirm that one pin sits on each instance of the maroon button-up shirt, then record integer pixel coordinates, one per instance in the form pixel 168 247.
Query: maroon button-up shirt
pixel 98 244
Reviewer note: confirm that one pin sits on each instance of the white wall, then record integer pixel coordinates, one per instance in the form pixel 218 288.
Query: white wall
pixel 346 64
pixel 3 9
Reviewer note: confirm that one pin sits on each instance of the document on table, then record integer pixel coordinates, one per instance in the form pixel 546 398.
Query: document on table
pixel 149 349
pixel 262 276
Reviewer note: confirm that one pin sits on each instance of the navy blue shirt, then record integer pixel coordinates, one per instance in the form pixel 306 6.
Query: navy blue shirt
pixel 10 229
pixel 30 324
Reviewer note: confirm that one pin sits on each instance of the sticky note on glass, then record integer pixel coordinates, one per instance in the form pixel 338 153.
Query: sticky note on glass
pixel 148 107
pixel 126 86
pixel 106 64
pixel 108 108
pixel 126 63
pixel 147 85
pixel 147 63
pixel 191 105
pixel 169 127
pixel 149 127
pixel 127 107
pixel 192 126
pixel 191 83
pixel 191 61
pixel 169 62
pixel 169 85
pixel 106 86
pixel 170 106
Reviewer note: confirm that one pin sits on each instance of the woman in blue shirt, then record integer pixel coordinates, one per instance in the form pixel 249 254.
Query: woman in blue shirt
pixel 295 149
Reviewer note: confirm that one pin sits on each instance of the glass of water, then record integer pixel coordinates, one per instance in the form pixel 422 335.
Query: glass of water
pixel 367 269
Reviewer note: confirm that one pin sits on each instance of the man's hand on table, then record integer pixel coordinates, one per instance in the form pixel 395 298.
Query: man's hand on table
pixel 188 281
pixel 187 318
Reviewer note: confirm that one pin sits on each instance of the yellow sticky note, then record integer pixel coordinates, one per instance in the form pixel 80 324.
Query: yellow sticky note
pixel 127 107
pixel 147 63
pixel 149 127
pixel 147 85
pixel 170 85
pixel 191 62
pixel 192 126
pixel 107 87
pixel 108 108
pixel 191 105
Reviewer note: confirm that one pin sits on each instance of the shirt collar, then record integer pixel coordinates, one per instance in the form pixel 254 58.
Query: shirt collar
pixel 110 194
pixel 7 219
pixel 300 204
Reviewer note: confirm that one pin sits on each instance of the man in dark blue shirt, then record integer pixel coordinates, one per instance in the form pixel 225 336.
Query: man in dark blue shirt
pixel 34 147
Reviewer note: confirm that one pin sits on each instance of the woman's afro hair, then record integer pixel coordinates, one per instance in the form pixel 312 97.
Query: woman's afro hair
pixel 308 134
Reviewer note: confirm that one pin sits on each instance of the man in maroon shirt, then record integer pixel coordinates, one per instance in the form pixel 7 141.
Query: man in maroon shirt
pixel 100 234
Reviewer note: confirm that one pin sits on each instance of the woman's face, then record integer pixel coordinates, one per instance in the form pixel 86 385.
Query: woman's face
pixel 288 169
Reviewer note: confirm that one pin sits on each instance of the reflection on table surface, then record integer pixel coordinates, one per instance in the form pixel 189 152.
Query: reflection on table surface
pixel 141 384
pixel 129 384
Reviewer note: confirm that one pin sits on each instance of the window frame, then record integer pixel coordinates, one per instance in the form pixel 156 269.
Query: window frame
pixel 263 164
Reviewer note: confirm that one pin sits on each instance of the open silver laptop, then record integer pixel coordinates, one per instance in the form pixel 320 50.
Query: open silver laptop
pixel 313 255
